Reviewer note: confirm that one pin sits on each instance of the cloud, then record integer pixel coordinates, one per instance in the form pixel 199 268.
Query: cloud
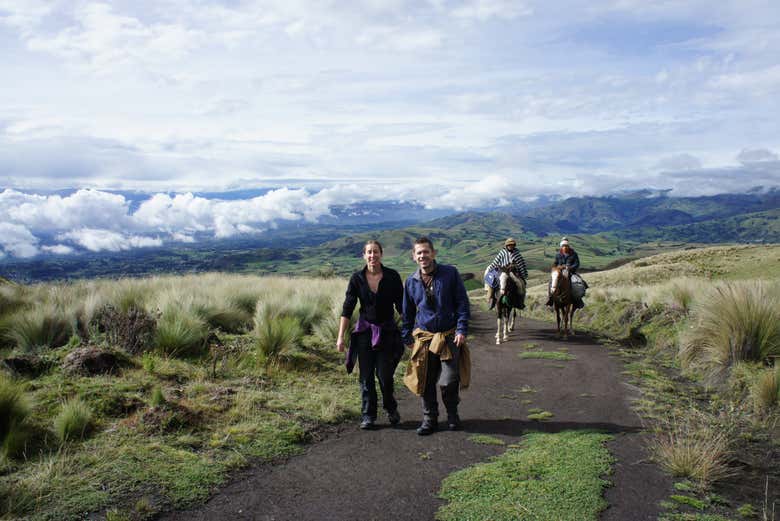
pixel 102 40
pixel 58 249
pixel 759 155
pixel 95 240
pixel 17 240
pixel 679 162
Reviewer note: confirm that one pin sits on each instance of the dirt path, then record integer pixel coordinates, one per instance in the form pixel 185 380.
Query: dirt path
pixel 392 474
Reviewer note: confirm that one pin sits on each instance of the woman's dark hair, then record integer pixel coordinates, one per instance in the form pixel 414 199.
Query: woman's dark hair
pixel 373 241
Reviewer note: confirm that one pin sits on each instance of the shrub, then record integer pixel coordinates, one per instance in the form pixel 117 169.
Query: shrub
pixel 74 420
pixel 42 326
pixel 181 333
pixel 693 447
pixel 739 322
pixel 133 330
pixel 14 412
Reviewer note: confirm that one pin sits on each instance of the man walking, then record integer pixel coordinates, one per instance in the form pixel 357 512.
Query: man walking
pixel 435 324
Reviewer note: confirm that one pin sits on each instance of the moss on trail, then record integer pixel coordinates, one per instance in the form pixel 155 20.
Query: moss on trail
pixel 552 476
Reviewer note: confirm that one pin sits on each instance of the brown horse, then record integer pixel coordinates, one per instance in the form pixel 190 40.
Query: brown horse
pixel 563 301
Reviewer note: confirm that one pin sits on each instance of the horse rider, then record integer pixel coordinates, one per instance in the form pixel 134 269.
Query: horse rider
pixel 509 256
pixel 566 256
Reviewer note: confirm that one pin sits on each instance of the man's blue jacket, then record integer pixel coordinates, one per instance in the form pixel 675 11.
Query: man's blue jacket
pixel 449 308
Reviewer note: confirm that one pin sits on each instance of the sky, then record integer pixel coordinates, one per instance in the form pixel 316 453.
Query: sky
pixel 452 104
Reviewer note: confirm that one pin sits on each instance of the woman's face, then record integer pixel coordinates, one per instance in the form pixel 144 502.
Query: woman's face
pixel 373 255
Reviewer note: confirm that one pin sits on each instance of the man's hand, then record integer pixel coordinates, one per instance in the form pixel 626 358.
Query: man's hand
pixel 460 340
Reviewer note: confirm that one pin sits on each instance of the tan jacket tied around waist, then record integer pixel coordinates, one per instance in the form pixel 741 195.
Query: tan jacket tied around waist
pixel 436 343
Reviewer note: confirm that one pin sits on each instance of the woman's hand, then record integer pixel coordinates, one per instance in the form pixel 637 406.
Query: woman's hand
pixel 340 345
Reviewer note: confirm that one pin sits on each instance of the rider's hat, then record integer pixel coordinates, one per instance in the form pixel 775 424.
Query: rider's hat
pixel 510 241
pixel 564 242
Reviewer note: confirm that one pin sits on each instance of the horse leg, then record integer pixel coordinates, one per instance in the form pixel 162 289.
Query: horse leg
pixel 498 330
pixel 512 323
pixel 558 319
pixel 506 327
pixel 571 320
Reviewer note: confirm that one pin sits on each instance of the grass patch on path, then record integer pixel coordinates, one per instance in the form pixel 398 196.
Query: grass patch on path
pixel 546 355
pixel 552 476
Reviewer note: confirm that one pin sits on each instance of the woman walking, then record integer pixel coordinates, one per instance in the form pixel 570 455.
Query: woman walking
pixel 376 340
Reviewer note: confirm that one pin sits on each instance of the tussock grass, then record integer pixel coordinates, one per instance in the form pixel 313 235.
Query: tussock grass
pixel 738 322
pixel 181 333
pixel 765 391
pixel 240 414
pixel 74 422
pixel 14 411
pixel 275 336
pixel 693 446
pixel 40 327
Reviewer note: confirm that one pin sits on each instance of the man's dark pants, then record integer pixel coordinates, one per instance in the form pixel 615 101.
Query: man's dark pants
pixel 445 375
pixel 380 362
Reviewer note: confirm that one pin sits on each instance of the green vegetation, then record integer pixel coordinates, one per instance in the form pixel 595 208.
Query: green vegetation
pixel 698 504
pixel 484 439
pixel 546 355
pixel 74 421
pixel 734 323
pixel 14 411
pixel 539 415
pixel 697 330
pixel 189 408
pixel 553 476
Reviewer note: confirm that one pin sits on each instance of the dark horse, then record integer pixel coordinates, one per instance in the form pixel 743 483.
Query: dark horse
pixel 508 302
pixel 563 300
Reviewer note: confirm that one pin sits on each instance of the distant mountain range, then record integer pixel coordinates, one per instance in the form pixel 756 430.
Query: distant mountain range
pixel 607 230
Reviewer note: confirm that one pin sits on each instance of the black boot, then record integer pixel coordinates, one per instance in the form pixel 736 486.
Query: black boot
pixel 549 301
pixel 428 426
pixel 453 422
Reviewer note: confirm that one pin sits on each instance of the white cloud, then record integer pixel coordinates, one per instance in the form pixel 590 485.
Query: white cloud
pixel 58 249
pixel 17 240
pixel 758 155
pixel 485 9
pixel 95 239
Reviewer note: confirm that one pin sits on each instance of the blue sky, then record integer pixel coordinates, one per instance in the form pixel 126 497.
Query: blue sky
pixel 382 99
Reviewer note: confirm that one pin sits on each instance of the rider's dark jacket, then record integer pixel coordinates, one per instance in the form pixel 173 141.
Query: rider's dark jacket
pixel 572 260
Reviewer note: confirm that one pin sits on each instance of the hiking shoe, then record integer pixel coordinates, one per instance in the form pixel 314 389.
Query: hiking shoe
pixel 428 427
pixel 549 302
pixel 394 418
pixel 453 422
pixel 367 424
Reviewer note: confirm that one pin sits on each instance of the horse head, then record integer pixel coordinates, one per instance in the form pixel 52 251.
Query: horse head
pixel 559 279
pixel 504 280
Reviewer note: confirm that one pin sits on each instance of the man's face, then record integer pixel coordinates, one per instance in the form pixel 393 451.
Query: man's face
pixel 510 247
pixel 423 255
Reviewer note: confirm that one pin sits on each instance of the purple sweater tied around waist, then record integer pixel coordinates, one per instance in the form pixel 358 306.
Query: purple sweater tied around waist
pixel 376 338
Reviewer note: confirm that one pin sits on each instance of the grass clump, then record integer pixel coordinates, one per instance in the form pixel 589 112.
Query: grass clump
pixel 181 333
pixel 546 355
pixel 42 326
pixel 74 422
pixel 765 390
pixel 698 504
pixel 535 482
pixel 540 415
pixel 14 411
pixel 693 447
pixel 484 439
pixel 275 336
pixel 738 322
